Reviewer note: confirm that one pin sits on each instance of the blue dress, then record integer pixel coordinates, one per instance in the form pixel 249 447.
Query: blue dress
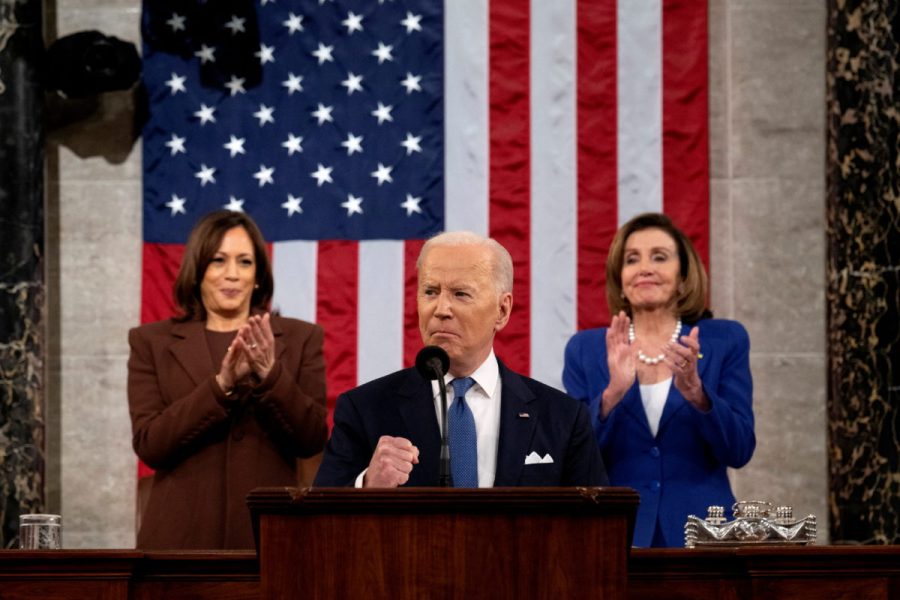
pixel 683 469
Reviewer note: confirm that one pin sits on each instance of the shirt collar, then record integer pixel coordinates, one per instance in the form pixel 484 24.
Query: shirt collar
pixel 486 376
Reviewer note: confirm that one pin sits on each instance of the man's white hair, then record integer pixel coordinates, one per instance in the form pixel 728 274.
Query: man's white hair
pixel 501 263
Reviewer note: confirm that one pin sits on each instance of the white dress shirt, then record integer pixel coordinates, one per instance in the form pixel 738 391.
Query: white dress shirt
pixel 483 399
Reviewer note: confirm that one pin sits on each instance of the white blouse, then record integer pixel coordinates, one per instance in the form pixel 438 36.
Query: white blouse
pixel 653 397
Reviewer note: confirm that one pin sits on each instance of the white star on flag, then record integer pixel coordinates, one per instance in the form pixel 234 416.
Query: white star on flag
pixel 383 174
pixel 411 205
pixel 176 145
pixel 264 175
pixel 383 52
pixel 293 144
pixel 353 143
pixel 411 143
pixel 294 83
pixel 383 113
pixel 265 114
pixel 236 25
pixel 176 22
pixel 235 146
pixel 292 205
pixel 323 113
pixel 234 204
pixel 206 54
pixel 177 205
pixel 353 83
pixel 294 23
pixel 206 175
pixel 353 205
pixel 265 54
pixel 176 83
pixel 236 85
pixel 353 23
pixel 323 53
pixel 411 83
pixel 206 114
pixel 412 23
pixel 322 174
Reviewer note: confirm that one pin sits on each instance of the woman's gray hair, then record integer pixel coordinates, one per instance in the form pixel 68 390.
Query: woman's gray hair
pixel 501 267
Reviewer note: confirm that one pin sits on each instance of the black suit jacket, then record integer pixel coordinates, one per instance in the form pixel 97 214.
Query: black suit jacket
pixel 533 418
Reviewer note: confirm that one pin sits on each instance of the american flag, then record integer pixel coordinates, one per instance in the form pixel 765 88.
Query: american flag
pixel 351 130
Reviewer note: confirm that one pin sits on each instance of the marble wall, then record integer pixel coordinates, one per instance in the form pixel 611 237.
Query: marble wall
pixel 863 275
pixel 768 258
pixel 22 286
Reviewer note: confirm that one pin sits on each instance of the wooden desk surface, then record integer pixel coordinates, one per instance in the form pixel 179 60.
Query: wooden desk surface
pixel 128 574
pixel 766 572
pixel 798 573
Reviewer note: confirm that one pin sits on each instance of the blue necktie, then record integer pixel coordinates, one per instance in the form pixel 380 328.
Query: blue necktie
pixel 461 434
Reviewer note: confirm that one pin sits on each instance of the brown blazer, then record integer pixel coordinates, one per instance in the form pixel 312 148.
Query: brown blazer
pixel 210 450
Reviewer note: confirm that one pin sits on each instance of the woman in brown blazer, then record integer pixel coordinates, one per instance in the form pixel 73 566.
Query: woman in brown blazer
pixel 225 397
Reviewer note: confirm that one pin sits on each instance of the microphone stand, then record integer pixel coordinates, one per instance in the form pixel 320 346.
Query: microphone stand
pixel 432 362
pixel 444 479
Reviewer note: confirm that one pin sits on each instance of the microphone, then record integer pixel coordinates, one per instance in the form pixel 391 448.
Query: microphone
pixel 432 362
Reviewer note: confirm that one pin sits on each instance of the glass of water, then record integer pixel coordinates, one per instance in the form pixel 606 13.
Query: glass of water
pixel 40 532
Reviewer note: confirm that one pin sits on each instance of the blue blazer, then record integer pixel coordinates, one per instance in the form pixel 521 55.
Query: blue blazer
pixel 682 470
pixel 402 404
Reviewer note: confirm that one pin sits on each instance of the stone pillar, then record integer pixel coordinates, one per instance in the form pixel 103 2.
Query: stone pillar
pixel 863 297
pixel 21 265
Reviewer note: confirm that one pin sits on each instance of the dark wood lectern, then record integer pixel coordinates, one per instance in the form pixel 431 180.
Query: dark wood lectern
pixel 497 543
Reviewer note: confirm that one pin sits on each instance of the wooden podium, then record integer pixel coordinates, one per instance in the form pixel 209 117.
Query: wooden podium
pixel 497 543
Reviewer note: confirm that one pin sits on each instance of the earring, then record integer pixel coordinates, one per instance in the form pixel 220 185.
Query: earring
pixel 256 287
pixel 621 295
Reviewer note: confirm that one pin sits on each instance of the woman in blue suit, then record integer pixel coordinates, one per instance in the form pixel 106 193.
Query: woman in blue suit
pixel 669 387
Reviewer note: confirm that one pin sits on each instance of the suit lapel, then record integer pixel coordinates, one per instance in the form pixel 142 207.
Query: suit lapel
pixel 278 333
pixel 675 401
pixel 415 404
pixel 635 407
pixel 191 350
pixel 516 430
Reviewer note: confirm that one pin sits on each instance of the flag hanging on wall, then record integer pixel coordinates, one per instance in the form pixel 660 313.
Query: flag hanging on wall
pixel 351 131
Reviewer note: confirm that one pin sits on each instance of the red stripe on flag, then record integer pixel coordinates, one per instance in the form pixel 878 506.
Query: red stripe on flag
pixel 685 119
pixel 337 304
pixel 412 339
pixel 597 148
pixel 510 165
pixel 160 269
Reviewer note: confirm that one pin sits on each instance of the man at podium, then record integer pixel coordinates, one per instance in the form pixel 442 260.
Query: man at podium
pixel 504 429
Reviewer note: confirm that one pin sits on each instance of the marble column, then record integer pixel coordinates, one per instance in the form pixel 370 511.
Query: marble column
pixel 863 297
pixel 21 265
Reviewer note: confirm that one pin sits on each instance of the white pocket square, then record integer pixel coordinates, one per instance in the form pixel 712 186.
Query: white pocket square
pixel 536 459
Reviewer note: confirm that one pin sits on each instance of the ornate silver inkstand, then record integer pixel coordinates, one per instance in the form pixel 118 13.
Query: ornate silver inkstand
pixel 755 522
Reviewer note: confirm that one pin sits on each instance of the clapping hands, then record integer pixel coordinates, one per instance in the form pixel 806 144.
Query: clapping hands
pixel 621 362
pixel 251 352
pixel 681 358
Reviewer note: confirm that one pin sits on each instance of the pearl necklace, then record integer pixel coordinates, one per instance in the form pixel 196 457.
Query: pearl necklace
pixel 654 360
